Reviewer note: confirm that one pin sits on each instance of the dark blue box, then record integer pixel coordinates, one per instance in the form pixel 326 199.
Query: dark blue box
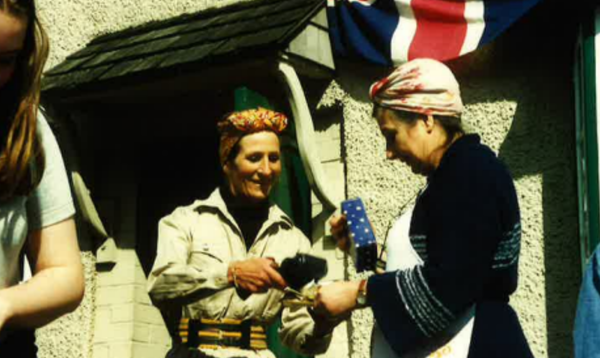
pixel 361 234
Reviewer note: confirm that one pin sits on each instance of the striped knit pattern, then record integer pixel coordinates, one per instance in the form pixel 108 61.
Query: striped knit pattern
pixel 508 250
pixel 426 310
pixel 419 243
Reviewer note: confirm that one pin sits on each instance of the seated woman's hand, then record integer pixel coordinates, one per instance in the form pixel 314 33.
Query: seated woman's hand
pixel 337 299
pixel 256 275
pixel 339 231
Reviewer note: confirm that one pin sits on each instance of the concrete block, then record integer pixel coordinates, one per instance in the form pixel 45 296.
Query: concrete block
pixel 141 294
pixel 128 256
pixel 100 351
pixel 122 274
pixel 159 335
pixel 113 295
pixel 121 350
pixel 140 276
pixel 141 350
pixel 329 149
pixel 148 314
pixel 113 332
pixel 103 315
pixel 122 313
pixel 141 333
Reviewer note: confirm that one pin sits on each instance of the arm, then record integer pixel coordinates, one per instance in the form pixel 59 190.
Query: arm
pixel 51 247
pixel 57 285
pixel 179 272
pixel 172 275
pixel 463 231
pixel 305 331
pixel 302 329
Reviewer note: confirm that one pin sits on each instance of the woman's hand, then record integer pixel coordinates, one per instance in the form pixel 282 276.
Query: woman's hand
pixel 339 231
pixel 337 299
pixel 255 275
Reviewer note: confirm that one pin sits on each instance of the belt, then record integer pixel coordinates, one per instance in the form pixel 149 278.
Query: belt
pixel 225 333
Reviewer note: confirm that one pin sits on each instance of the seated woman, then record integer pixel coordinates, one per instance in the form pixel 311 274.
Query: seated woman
pixel 465 227
pixel 36 209
pixel 218 258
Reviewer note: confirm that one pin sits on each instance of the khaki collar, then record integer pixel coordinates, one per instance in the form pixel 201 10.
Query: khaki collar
pixel 215 201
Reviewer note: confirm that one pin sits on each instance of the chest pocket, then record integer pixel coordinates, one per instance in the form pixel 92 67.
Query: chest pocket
pixel 211 240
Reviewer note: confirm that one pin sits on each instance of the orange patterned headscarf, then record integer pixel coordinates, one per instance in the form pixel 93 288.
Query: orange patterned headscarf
pixel 423 86
pixel 238 124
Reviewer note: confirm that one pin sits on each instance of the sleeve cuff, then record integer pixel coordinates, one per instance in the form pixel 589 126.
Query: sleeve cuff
pixel 220 279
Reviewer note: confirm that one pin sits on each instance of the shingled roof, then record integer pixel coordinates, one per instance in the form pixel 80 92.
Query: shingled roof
pixel 189 41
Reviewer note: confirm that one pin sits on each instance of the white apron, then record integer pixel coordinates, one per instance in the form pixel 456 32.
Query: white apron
pixel 454 343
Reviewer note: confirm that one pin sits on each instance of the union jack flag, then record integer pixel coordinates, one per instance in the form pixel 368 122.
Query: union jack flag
pixel 395 31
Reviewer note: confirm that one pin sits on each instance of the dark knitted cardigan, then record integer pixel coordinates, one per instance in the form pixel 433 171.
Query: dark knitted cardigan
pixel 466 227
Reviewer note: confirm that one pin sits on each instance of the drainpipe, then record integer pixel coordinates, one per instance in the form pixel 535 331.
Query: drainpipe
pixel 305 133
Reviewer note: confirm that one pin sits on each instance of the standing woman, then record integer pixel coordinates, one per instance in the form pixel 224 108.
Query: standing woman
pixel 36 208
pixel 217 259
pixel 465 227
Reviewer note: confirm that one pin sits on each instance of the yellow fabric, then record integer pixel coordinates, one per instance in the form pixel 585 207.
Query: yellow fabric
pixel 238 124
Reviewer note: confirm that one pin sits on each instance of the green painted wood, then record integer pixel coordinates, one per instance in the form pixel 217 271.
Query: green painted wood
pixel 589 112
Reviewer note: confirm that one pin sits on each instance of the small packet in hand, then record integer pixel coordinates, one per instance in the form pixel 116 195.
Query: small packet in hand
pixel 301 269
pixel 364 244
pixel 302 272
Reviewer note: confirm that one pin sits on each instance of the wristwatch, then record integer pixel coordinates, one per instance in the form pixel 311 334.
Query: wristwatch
pixel 361 298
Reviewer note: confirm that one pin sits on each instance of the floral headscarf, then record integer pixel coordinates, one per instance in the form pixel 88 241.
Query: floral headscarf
pixel 423 86
pixel 239 124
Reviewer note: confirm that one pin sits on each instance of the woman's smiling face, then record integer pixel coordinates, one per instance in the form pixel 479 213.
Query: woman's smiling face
pixel 12 38
pixel 253 172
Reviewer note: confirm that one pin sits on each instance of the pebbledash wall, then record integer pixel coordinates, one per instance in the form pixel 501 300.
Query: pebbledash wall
pixel 522 105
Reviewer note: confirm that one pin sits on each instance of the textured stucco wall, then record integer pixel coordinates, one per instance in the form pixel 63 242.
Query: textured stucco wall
pixel 70 335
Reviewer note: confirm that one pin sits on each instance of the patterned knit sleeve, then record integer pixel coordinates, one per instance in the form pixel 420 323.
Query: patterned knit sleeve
pixel 462 242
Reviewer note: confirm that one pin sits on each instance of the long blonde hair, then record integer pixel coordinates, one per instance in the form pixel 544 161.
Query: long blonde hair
pixel 21 152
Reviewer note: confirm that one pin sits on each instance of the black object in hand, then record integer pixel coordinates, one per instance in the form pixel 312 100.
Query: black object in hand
pixel 299 270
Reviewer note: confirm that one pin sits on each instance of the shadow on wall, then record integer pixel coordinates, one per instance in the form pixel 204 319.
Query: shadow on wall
pixel 541 142
pixel 531 65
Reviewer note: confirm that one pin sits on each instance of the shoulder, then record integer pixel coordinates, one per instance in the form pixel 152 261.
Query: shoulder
pixel 285 222
pixel 48 140
pixel 471 164
pixel 51 201
pixel 186 211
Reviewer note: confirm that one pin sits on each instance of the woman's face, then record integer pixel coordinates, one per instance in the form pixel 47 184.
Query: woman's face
pixel 12 39
pixel 406 141
pixel 253 172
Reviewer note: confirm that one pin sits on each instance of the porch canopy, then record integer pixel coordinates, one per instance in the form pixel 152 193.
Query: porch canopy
pixel 205 47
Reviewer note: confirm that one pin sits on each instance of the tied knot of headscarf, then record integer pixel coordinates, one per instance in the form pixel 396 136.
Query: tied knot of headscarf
pixel 238 124
pixel 422 86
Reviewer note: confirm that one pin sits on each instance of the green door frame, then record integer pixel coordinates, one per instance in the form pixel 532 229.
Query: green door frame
pixel 587 139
